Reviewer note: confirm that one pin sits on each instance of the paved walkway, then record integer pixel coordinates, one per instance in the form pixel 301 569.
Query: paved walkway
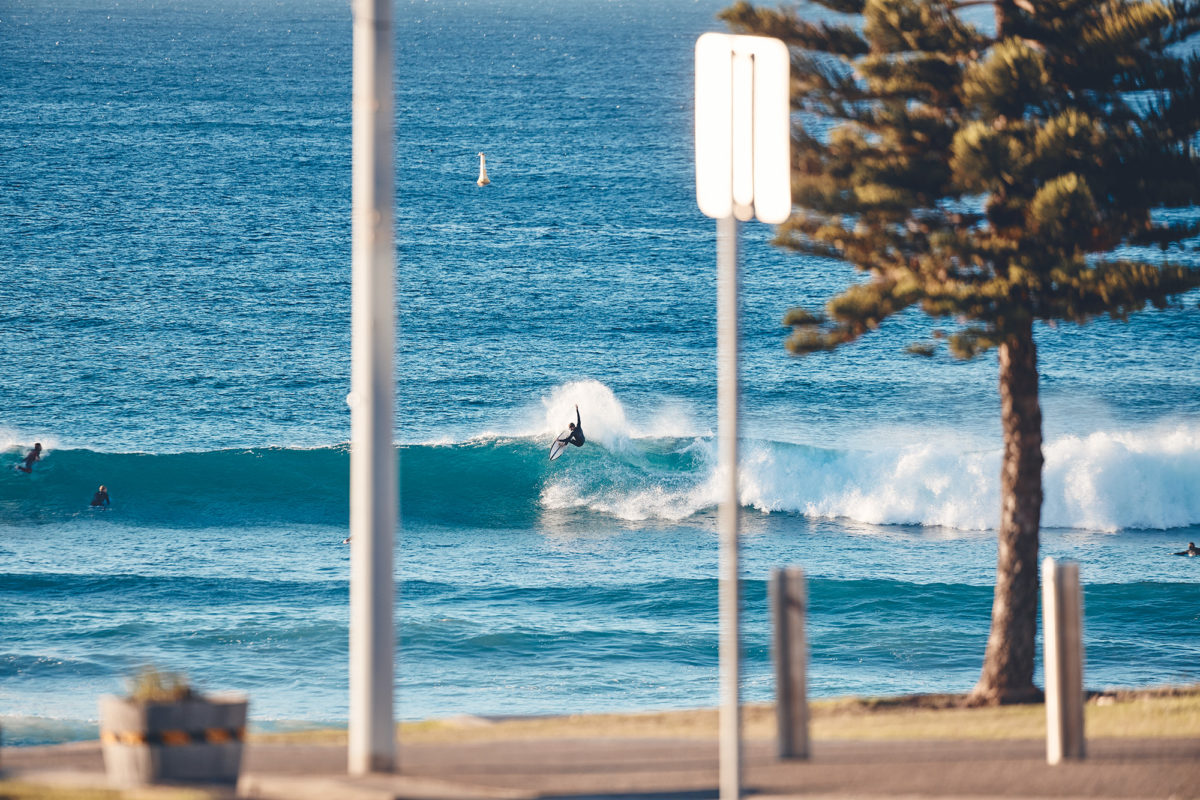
pixel 669 769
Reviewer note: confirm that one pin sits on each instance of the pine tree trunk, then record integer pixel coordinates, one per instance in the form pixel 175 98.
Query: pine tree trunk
pixel 1008 665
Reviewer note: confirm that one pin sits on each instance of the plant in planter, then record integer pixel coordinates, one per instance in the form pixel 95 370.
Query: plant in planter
pixel 167 731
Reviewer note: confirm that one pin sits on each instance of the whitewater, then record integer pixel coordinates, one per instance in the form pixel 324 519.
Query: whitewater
pixel 1104 481
pixel 176 307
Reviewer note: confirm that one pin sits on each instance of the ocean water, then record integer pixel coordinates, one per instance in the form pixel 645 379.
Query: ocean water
pixel 174 214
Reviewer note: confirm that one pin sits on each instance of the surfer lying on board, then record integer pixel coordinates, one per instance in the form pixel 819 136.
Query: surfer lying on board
pixel 34 455
pixel 576 429
pixel 100 498
pixel 1191 551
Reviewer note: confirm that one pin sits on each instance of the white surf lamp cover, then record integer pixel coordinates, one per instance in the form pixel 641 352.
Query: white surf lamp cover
pixel 743 141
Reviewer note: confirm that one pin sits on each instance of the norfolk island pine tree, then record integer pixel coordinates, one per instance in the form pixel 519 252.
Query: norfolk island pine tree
pixel 993 180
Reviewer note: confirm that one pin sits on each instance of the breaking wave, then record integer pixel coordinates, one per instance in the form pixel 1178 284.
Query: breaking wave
pixel 1103 481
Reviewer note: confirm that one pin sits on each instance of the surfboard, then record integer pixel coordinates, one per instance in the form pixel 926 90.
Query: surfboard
pixel 560 444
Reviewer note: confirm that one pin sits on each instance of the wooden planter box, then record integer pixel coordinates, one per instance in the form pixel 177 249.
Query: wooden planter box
pixel 198 740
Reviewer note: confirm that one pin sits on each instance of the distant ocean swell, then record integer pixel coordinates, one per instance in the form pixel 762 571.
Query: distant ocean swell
pixel 444 621
pixel 1104 481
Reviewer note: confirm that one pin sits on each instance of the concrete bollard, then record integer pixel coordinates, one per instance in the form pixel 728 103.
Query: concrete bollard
pixel 1062 637
pixel 196 739
pixel 789 603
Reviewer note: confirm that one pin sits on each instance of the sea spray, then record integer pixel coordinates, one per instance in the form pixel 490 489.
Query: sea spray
pixel 1124 479
pixel 605 422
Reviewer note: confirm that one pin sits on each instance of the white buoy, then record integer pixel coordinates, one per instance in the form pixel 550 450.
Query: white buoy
pixel 483 178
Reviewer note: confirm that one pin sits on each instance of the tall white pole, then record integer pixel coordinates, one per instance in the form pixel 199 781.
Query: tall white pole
pixel 372 746
pixel 730 760
pixel 742 172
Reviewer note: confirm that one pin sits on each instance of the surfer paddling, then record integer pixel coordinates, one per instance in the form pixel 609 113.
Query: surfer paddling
pixel 31 458
pixel 1191 551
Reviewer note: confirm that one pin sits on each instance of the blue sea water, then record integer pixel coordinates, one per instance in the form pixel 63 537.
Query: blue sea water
pixel 174 221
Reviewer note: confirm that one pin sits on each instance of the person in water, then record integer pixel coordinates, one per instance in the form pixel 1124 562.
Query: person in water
pixel 1191 551
pixel 100 498
pixel 31 457
pixel 576 430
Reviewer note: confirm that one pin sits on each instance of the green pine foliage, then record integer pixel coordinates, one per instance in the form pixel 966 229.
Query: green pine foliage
pixel 989 178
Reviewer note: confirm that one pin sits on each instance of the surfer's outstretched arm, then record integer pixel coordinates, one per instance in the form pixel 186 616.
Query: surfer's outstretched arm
pixel 577 437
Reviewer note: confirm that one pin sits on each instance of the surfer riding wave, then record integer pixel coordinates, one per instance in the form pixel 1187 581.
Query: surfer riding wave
pixel 572 435
pixel 35 455
pixel 576 428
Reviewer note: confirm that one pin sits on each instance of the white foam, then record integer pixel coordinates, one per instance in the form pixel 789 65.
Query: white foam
pixel 649 502
pixel 1108 481
pixel 1104 481
pixel 674 419
pixel 17 440
pixel 920 484
pixel 604 416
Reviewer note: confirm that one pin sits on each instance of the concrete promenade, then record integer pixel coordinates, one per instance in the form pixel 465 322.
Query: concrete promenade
pixel 680 769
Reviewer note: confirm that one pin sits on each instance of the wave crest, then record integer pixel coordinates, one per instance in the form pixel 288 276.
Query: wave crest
pixel 1104 481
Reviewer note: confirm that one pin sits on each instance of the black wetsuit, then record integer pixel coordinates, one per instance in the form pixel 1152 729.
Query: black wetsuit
pixel 100 499
pixel 33 456
pixel 576 438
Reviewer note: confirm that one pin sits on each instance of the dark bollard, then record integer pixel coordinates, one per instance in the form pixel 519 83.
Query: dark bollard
pixel 789 603
pixel 1062 633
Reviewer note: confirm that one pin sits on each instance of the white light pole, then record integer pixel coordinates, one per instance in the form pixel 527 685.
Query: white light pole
pixel 743 171
pixel 372 746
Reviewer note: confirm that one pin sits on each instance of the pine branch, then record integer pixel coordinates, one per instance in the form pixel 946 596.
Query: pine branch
pixel 979 178
pixel 786 25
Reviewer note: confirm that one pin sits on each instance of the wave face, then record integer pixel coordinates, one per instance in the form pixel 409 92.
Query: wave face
pixel 226 487
pixel 1105 481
